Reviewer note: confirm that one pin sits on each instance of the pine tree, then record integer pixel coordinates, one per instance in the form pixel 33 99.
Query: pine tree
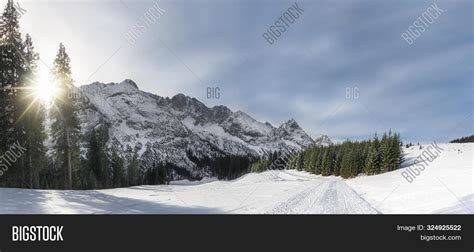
pixel 309 155
pixel 385 153
pixel 92 172
pixel 391 152
pixel 318 161
pixel 116 163
pixel 12 67
pixel 332 159
pixel 338 161
pixel 357 159
pixel 313 158
pixel 300 162
pixel 132 169
pixel 399 156
pixel 346 163
pixel 372 164
pixel 65 125
pixel 326 162
pixel 32 117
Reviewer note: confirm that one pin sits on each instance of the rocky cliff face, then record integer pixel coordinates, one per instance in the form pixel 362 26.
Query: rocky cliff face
pixel 180 129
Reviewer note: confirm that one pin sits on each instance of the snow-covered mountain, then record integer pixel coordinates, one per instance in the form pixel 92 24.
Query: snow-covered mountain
pixel 180 129
pixel 323 140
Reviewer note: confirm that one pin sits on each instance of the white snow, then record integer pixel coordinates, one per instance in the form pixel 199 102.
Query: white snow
pixel 444 187
pixel 211 130
pixel 279 192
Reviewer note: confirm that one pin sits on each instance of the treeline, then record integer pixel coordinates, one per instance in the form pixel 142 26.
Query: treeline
pixel 107 166
pixel 468 139
pixel 260 165
pixel 224 166
pixel 25 161
pixel 230 166
pixel 21 114
pixel 347 159
pixel 272 160
pixel 22 118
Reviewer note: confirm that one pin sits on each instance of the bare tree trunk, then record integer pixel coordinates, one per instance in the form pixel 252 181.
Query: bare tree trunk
pixel 34 171
pixel 30 164
pixel 36 182
pixel 68 162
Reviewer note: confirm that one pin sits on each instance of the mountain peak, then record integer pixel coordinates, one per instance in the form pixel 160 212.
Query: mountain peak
pixel 241 113
pixel 179 96
pixel 129 83
pixel 323 140
pixel 292 124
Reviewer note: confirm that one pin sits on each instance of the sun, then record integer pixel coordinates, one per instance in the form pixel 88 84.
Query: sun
pixel 45 89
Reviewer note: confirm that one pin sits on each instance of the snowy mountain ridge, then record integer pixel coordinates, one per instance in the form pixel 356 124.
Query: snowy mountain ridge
pixel 180 129
pixel 323 140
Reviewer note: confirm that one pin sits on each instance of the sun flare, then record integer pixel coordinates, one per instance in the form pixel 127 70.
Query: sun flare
pixel 46 89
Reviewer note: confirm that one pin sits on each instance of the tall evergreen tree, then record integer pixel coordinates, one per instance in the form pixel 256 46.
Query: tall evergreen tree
pixel 96 171
pixel 397 148
pixel 318 161
pixel 116 162
pixel 308 156
pixel 132 169
pixel 372 164
pixel 65 127
pixel 12 66
pixel 338 160
pixel 386 153
pixel 32 117
pixel 300 161
pixel 326 162
pixel 346 164
pixel 313 158
pixel 92 172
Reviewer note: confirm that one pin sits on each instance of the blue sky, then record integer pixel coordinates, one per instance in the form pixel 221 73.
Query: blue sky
pixel 423 90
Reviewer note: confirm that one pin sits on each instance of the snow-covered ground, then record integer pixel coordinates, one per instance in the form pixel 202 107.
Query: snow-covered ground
pixel 444 187
pixel 268 192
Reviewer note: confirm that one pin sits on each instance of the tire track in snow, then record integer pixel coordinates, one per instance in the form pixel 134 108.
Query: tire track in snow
pixel 324 196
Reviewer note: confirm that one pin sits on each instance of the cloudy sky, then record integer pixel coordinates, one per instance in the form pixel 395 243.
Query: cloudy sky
pixel 423 90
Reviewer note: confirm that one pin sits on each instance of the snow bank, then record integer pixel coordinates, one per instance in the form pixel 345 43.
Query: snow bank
pixel 444 187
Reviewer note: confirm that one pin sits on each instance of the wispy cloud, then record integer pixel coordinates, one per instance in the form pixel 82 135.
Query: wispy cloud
pixel 419 90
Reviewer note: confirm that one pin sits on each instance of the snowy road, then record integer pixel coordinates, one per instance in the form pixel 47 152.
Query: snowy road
pixel 324 196
pixel 288 192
